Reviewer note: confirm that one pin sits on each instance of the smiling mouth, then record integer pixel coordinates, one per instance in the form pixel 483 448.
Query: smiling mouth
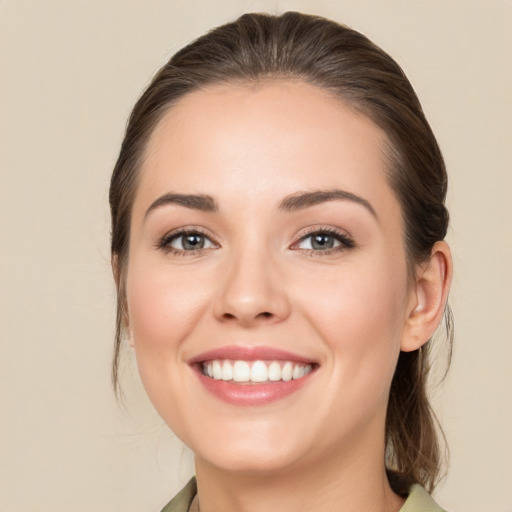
pixel 254 372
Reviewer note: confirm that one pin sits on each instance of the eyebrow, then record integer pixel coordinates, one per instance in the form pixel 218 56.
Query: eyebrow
pixel 201 202
pixel 301 200
pixel 291 203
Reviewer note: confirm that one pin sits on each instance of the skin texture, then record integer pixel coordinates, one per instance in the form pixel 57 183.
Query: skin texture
pixel 257 282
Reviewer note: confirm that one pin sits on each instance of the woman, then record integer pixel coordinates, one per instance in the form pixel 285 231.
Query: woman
pixel 277 244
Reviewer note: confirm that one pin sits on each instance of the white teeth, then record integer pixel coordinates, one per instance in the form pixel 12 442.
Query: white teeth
pixel 274 371
pixel 217 370
pixel 287 371
pixel 241 372
pixel 227 371
pixel 257 371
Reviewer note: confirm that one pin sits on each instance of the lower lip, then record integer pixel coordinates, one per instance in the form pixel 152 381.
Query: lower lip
pixel 252 394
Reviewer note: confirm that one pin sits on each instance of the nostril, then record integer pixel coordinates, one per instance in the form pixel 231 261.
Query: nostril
pixel 230 316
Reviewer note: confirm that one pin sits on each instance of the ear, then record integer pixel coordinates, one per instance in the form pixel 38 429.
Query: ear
pixel 115 268
pixel 130 337
pixel 120 290
pixel 428 298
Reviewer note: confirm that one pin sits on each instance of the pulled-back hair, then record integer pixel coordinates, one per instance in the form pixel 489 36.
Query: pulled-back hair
pixel 334 57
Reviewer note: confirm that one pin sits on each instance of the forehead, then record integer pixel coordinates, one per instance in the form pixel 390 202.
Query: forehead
pixel 264 141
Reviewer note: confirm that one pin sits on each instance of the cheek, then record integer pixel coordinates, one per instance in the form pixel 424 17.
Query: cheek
pixel 163 309
pixel 360 316
pixel 357 298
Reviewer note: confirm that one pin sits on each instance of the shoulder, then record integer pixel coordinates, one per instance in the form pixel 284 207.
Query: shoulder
pixel 420 501
pixel 181 502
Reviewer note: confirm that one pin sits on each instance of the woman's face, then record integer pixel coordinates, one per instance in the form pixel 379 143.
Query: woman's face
pixel 266 248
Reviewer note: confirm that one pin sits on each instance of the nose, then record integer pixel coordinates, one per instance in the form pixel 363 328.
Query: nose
pixel 252 292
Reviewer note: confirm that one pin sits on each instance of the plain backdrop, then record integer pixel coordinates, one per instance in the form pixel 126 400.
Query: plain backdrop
pixel 70 72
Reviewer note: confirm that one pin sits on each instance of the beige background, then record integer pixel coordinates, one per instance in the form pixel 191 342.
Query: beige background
pixel 70 72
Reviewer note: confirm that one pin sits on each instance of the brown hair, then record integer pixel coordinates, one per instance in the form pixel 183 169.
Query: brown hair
pixel 346 63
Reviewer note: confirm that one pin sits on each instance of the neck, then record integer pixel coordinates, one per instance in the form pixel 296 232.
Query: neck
pixel 352 484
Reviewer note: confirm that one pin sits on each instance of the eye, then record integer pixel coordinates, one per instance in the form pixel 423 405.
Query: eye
pixel 319 241
pixel 324 240
pixel 188 241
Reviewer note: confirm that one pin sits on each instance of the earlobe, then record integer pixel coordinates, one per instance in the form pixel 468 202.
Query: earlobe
pixel 130 338
pixel 430 294
pixel 121 298
pixel 115 268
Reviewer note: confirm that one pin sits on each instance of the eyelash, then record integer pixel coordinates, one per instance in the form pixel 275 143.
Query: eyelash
pixel 346 241
pixel 164 243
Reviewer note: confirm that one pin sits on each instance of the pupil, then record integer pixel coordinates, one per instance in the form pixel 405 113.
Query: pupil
pixel 323 242
pixel 193 242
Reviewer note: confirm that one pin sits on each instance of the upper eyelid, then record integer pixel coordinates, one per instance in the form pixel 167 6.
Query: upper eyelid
pixel 323 229
pixel 187 230
pixel 345 239
pixel 163 242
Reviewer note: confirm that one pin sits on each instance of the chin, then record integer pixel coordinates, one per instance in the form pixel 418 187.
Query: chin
pixel 251 452
pixel 251 462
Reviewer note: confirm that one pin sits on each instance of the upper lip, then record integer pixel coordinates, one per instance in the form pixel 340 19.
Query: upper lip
pixel 250 353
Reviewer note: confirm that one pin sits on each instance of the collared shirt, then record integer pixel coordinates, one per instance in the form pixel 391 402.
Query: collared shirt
pixel 417 501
